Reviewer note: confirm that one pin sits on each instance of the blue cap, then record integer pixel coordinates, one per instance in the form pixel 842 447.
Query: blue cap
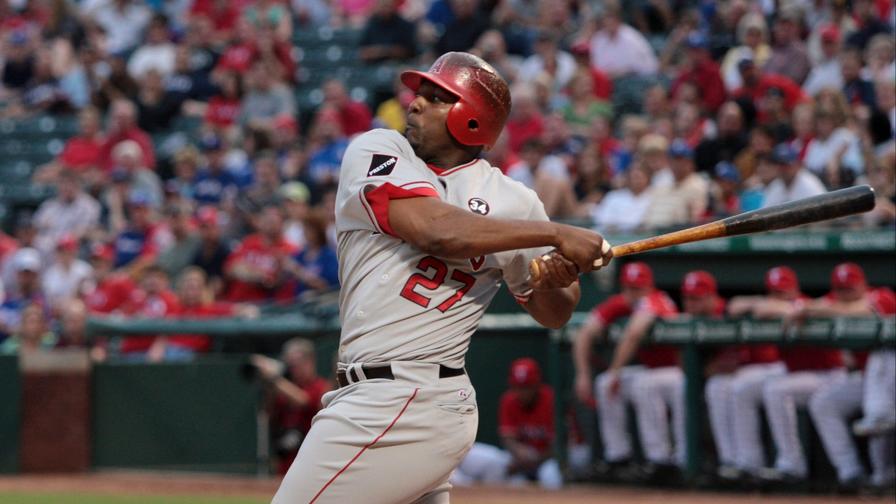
pixel 681 149
pixel 120 174
pixel 783 153
pixel 697 40
pixel 727 171
pixel 745 62
pixel 210 142
pixel 18 38
pixel 140 198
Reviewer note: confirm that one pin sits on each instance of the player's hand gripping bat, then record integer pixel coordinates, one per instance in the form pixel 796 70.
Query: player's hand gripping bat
pixel 826 206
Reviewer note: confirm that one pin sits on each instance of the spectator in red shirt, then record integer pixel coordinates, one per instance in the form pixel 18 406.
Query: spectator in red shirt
pixel 756 86
pixel 526 121
pixel 354 116
pixel 703 72
pixel 110 289
pixel 296 392
pixel 123 126
pixel 602 84
pixel 526 429
pixel 255 268
pixel 81 153
pixel 224 108
pixel 222 14
pixel 153 299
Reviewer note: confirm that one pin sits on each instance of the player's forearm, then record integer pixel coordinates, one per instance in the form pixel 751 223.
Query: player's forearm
pixel 581 348
pixel 447 231
pixel 634 332
pixel 291 391
pixel 552 308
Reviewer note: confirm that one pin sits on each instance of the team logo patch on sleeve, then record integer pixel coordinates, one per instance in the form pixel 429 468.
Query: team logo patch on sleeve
pixel 381 164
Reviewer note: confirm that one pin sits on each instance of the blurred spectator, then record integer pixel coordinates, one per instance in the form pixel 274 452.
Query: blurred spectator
pixel 71 212
pixel 189 80
pixel 730 140
pixel 602 85
pixel 624 209
pixel 123 22
pixel 826 73
pixel 32 334
pixel 882 178
pixel 123 126
pixel 156 107
pixel 296 208
pixel 81 153
pixel 239 52
pixel 619 50
pixel 880 58
pixel 857 89
pixel 311 13
pixel 266 99
pixel 152 299
pixel 583 106
pixel 130 171
pixel 214 183
pixel 327 144
pixel 789 56
pixel 65 277
pixel 19 62
pixel 526 429
pixel 793 182
pixel 752 33
pixel 143 237
pixel 834 154
pixel 111 80
pixel 762 141
pixel 255 269
pixel 546 174
pixel 468 23
pixel 26 264
pixel 73 326
pixel 392 113
pixel 701 71
pixel 550 59
pixel 526 120
pixel 868 24
pixel 213 251
pixel 265 187
pixel 725 197
pixel 387 35
pixel 156 52
pixel 492 47
pixel 184 241
pixel 271 13
pixel 111 290
pixel 315 266
pixel 592 179
pixel 354 116
pixel 681 197
pixel 296 391
pixel 756 86
pixel 224 108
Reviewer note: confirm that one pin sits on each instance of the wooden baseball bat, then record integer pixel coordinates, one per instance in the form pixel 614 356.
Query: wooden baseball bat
pixel 826 206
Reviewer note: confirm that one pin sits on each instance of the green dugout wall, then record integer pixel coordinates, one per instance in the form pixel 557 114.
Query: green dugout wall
pixel 10 412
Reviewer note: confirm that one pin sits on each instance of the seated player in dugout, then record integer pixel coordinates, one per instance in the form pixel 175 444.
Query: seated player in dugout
pixel 526 428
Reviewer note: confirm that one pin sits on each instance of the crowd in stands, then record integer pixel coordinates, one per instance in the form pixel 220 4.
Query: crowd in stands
pixel 633 115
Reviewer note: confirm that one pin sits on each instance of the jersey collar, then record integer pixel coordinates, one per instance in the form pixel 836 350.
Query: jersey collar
pixel 448 171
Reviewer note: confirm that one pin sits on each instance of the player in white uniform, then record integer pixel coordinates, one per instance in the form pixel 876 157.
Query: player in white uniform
pixel 427 231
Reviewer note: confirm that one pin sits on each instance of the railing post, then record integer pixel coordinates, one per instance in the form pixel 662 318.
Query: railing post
pixel 693 372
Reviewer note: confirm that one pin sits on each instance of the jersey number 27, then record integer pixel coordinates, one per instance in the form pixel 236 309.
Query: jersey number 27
pixel 434 282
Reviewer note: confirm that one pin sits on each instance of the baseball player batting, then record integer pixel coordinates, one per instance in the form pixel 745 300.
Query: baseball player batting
pixel 427 231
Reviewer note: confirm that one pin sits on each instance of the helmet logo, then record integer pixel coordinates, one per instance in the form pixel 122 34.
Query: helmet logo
pixel 478 205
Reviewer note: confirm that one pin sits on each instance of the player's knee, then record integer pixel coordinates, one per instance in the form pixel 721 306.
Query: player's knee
pixel 715 389
pixel 772 392
pixel 819 405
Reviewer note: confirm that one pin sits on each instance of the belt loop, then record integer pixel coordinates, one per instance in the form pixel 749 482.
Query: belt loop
pixel 359 371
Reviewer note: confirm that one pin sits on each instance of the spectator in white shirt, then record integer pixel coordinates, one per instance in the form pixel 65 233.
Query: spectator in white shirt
pixel 617 49
pixel 682 201
pixel 623 209
pixel 62 281
pixel 826 73
pixel 835 154
pixel 157 52
pixel 72 211
pixel 793 182
pixel 123 21
pixel 548 58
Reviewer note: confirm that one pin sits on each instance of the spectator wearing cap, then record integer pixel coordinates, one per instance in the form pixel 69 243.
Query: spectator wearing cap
pixel 620 50
pixel 31 335
pixel 789 55
pixel 109 290
pixel 138 245
pixel 792 182
pixel 729 141
pixel 266 99
pixel 71 212
pixel 152 299
pixel 327 144
pixel 685 199
pixel 700 70
pixel 255 269
pixel 752 33
pixel 858 90
pixel 122 126
pixel 184 240
pixel 386 35
pixel 624 209
pixel 834 154
pixel 548 58
pixel 26 265
pixel 602 86
pixel 826 73
pixel 295 205
pixel 24 236
pixel 130 169
pixel 213 251
pixel 315 266
pixel 725 190
pixel 66 275
pixel 156 52
pixel 583 107
pixel 756 85
pixel 19 62
pixel 526 430
pixel 354 116
pixel 214 183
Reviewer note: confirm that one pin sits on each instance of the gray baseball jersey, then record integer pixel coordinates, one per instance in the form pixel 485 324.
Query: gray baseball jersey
pixel 397 303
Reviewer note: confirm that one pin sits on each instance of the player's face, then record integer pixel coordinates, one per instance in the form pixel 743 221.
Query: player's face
pixel 849 294
pixel 427 130
pixel 699 306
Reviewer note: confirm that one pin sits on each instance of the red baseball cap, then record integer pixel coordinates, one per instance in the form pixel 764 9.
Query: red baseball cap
pixel 524 372
pixel 103 251
pixel 847 275
pixel 636 274
pixel 67 242
pixel 698 283
pixel 830 33
pixel 207 216
pixel 781 279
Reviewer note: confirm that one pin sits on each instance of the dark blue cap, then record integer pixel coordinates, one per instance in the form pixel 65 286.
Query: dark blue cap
pixel 140 198
pixel 210 142
pixel 727 171
pixel 697 40
pixel 745 62
pixel 783 153
pixel 681 149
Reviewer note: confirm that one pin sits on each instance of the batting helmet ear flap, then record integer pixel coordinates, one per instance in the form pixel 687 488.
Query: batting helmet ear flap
pixel 464 124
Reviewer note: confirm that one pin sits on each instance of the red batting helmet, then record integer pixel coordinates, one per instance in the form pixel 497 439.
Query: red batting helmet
pixel 524 372
pixel 483 104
